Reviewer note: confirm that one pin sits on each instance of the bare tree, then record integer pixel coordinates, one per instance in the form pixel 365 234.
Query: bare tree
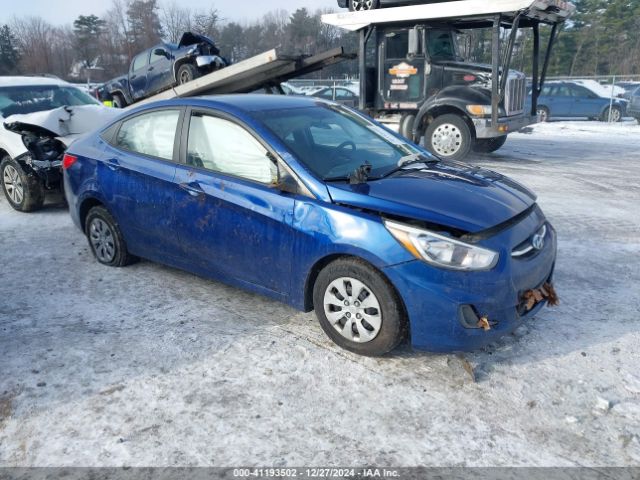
pixel 175 21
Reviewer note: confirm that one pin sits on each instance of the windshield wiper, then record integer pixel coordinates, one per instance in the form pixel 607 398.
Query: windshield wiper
pixel 409 160
pixel 358 176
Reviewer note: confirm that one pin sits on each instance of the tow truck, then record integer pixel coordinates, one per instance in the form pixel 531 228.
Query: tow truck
pixel 410 67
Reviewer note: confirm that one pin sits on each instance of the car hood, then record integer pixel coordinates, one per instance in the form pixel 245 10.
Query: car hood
pixel 448 194
pixel 65 123
pixel 190 38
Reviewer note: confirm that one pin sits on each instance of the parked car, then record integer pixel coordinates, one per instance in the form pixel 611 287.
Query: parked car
pixel 40 116
pixel 314 204
pixel 629 88
pixel 358 5
pixel 164 66
pixel 569 100
pixel 341 95
pixel 634 105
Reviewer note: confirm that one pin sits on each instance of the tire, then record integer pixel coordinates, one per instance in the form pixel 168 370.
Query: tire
pixel 383 308
pixel 186 73
pixel 24 190
pixel 616 115
pixel 543 114
pixel 359 5
pixel 119 101
pixel 105 239
pixel 449 137
pixel 488 145
pixel 406 125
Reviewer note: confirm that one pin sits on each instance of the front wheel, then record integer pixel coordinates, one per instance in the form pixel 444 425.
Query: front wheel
pixel 489 145
pixel 615 116
pixel 543 114
pixel 359 5
pixel 187 73
pixel 449 137
pixel 119 101
pixel 358 308
pixel 23 190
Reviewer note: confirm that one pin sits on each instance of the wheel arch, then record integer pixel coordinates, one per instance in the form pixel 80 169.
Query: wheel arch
pixel 180 62
pixel 321 263
pixel 85 206
pixel 426 116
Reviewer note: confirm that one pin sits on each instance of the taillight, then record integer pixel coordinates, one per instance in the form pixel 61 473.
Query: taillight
pixel 469 78
pixel 68 160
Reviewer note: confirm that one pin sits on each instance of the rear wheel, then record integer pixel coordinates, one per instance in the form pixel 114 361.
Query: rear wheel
pixel 358 308
pixel 105 238
pixel 543 114
pixel 119 101
pixel 23 190
pixel 359 5
pixel 616 115
pixel 449 137
pixel 488 145
pixel 186 73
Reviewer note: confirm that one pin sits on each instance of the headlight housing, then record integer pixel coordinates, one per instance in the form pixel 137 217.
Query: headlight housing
pixel 440 250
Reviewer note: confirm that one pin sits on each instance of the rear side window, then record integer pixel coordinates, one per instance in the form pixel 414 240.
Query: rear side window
pixel 150 134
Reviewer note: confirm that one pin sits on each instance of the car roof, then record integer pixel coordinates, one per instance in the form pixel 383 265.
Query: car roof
pixel 29 81
pixel 247 102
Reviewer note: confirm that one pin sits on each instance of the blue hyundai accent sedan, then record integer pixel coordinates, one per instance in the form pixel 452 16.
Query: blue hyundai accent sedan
pixel 318 206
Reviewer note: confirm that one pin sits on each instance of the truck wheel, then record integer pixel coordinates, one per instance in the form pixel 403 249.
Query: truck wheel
pixel 119 101
pixel 23 190
pixel 358 5
pixel 186 73
pixel 406 125
pixel 105 239
pixel 488 145
pixel 449 137
pixel 616 115
pixel 358 308
pixel 543 114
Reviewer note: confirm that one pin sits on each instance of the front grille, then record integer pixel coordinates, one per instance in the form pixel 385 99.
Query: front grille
pixel 515 94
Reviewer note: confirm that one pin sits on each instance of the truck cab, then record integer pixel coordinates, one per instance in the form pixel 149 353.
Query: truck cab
pixel 411 67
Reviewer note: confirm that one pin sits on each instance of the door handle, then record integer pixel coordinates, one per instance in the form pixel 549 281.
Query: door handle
pixel 132 77
pixel 150 68
pixel 113 164
pixel 192 189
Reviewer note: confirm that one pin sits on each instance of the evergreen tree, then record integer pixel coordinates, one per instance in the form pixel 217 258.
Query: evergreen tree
pixel 87 31
pixel 9 55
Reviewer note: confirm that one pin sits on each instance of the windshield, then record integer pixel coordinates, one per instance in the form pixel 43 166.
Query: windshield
pixel 333 142
pixel 38 98
pixel 441 44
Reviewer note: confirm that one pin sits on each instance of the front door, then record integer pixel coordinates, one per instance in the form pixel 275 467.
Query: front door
pixel 403 75
pixel 160 71
pixel 230 218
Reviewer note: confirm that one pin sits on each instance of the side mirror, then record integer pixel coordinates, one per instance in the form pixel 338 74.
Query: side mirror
pixel 161 52
pixel 286 182
pixel 414 42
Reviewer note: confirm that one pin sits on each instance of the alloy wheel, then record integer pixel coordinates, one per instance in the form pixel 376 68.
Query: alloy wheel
pixel 352 309
pixel 614 115
pixel 102 240
pixel 446 139
pixel 359 5
pixel 13 184
pixel 543 114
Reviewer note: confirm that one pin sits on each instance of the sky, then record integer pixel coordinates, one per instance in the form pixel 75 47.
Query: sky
pixel 59 12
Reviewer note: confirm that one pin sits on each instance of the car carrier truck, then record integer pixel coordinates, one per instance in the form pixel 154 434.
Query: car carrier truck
pixel 410 66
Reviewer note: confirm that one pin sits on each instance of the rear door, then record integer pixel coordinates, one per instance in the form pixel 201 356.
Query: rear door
pixel 230 218
pixel 138 75
pixel 137 177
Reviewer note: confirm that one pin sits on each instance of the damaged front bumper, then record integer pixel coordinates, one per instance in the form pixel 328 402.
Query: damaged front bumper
pixel 461 311
pixel 211 61
pixel 49 171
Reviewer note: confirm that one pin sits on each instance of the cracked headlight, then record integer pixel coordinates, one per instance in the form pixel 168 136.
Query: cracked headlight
pixel 442 251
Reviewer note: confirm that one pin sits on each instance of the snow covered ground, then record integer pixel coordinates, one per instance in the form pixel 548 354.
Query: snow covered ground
pixel 152 366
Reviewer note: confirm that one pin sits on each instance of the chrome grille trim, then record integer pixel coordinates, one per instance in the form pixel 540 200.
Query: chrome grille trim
pixel 515 94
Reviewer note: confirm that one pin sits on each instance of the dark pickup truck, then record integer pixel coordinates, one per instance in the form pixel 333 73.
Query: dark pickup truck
pixel 164 66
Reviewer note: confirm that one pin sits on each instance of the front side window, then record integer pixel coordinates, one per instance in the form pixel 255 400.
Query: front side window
pixel 140 61
pixel 156 58
pixel 222 146
pixel 150 134
pixel 398 45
